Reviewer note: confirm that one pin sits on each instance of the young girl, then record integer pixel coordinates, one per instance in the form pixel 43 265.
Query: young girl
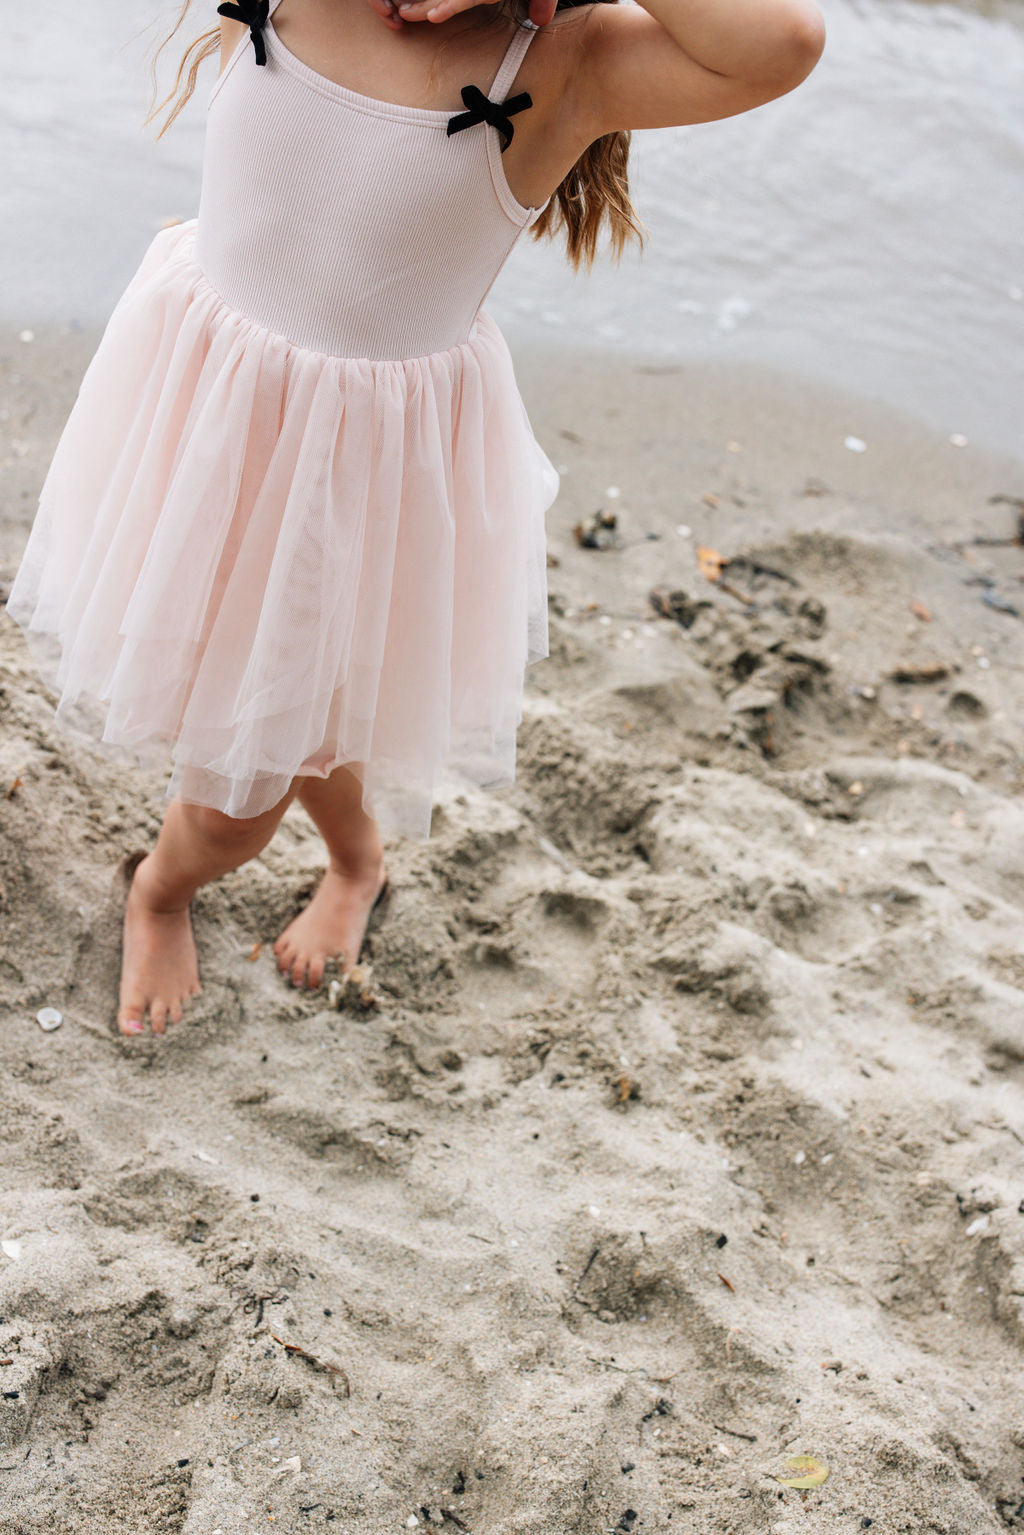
pixel 295 524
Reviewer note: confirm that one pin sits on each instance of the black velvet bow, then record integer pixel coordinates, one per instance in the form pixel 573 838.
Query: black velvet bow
pixel 254 13
pixel 481 110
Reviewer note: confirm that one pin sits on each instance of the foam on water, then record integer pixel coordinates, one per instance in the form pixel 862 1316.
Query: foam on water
pixel 866 229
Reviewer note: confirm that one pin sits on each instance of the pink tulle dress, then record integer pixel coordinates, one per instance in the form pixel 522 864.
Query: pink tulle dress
pixel 296 517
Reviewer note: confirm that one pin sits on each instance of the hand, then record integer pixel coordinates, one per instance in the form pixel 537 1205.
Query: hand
pixel 394 12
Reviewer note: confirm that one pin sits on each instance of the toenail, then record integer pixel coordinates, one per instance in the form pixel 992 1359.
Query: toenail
pixel 132 1026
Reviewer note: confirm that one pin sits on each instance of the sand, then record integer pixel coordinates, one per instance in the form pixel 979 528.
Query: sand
pixel 687 1133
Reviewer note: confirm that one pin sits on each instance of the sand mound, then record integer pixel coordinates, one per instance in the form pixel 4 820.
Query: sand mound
pixel 686 1135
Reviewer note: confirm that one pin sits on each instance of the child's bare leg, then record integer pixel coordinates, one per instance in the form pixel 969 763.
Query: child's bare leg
pixel 159 971
pixel 334 922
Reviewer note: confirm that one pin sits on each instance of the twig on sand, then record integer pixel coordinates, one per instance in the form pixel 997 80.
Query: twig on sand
pixel 737 1433
pixel 586 1271
pixel 318 1364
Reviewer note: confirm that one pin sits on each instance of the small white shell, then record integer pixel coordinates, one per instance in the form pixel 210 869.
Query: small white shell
pixel 48 1019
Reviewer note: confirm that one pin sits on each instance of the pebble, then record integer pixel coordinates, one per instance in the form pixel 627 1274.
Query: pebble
pixel 594 1210
pixel 958 440
pixel 855 444
pixel 977 1227
pixel 11 1248
pixel 48 1019
pixel 684 531
pixel 612 491
pixel 26 335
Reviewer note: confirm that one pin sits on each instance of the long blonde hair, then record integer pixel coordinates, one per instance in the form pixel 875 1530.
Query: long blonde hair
pixel 595 191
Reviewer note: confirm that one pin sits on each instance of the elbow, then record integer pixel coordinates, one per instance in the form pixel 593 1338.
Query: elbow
pixel 810 39
pixel 801 44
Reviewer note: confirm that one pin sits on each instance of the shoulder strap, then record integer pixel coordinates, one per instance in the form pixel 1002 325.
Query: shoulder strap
pixel 514 56
pixel 273 7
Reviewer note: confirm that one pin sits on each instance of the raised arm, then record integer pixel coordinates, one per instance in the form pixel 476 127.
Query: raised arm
pixel 661 63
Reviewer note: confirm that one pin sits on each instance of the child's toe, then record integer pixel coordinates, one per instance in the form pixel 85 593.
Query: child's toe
pixel 158 1017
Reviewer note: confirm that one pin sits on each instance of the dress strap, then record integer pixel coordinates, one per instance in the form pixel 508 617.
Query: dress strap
pixel 514 56
pixel 495 111
pixel 254 14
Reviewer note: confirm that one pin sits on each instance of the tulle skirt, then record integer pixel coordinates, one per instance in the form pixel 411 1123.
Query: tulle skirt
pixel 265 561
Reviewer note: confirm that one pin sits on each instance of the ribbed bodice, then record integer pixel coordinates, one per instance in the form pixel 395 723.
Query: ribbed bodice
pixel 351 226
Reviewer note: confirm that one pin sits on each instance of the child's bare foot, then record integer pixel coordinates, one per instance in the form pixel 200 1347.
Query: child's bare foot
pixel 332 926
pixel 159 968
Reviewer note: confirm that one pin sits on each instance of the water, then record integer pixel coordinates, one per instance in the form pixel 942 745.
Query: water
pixel 866 230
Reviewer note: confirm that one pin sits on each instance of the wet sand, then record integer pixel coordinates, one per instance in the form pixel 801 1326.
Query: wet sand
pixel 688 1132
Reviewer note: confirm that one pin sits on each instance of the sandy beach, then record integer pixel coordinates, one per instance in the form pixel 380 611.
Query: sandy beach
pixel 686 1132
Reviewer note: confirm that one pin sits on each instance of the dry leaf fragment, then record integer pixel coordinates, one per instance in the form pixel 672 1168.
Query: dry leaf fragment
pixel 710 563
pixel 12 791
pixel 709 498
pixel 255 952
pixel 920 611
pixel 812 1472
pixel 727 1283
